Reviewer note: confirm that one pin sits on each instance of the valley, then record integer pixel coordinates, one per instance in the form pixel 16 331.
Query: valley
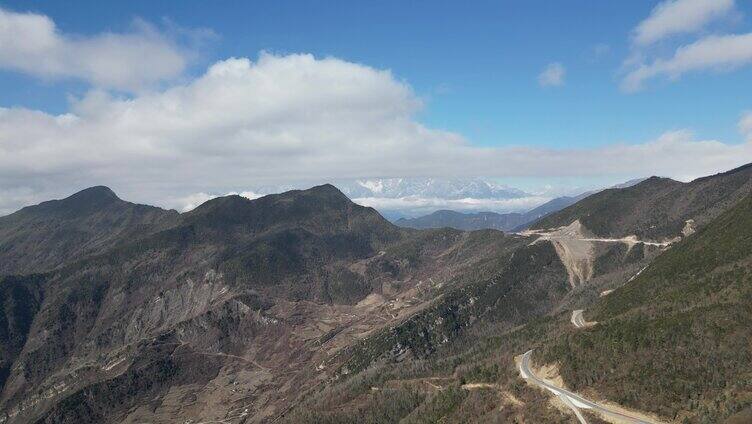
pixel 305 307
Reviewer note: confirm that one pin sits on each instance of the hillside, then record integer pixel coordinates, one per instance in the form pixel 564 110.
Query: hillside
pixel 45 236
pixel 690 313
pixel 552 206
pixel 362 212
pixel 235 291
pixel 656 208
pixel 487 220
pixel 305 307
pixel 464 221
pixel 670 340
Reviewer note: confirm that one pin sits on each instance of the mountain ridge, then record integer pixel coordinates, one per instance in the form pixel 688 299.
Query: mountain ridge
pixel 306 307
pixel 91 221
pixel 514 221
pixel 656 208
pixel 217 282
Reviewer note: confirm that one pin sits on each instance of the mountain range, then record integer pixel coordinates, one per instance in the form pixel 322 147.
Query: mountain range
pixel 514 221
pixel 488 220
pixel 429 187
pixel 304 307
pixel 397 198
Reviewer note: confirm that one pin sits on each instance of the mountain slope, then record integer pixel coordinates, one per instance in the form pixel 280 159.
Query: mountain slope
pixel 552 206
pixel 656 208
pixel 675 340
pixel 20 300
pixel 45 236
pixel 259 293
pixel 672 340
pixel 487 220
pixel 304 307
pixel 464 221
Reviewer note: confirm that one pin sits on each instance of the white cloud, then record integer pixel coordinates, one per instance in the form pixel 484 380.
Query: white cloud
pixel 285 119
pixel 708 52
pixel 418 205
pixel 745 125
pixel 721 53
pixel 553 75
pixel 672 17
pixel 31 43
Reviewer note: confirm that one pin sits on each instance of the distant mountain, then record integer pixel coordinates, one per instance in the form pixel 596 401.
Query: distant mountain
pixel 464 221
pixel 515 221
pixel 550 207
pixel 320 210
pixel 629 183
pixel 560 203
pixel 398 198
pixel 656 208
pixel 487 220
pixel 429 188
pixel 45 236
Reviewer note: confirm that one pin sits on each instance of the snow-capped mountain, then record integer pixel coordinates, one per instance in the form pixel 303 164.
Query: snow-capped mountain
pixel 414 197
pixel 409 197
pixel 454 189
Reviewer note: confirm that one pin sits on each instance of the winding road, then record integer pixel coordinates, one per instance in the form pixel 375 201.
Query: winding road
pixel 577 319
pixel 573 400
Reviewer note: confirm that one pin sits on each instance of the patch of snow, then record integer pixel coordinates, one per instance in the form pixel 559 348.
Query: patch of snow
pixel 375 186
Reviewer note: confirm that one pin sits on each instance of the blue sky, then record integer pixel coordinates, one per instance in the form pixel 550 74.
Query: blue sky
pixel 474 66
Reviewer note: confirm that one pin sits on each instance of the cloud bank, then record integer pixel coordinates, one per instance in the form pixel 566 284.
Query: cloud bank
pixel 417 205
pixel 282 119
pixel 32 44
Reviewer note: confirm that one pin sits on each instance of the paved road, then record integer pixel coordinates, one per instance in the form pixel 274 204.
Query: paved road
pixel 636 275
pixel 573 400
pixel 577 319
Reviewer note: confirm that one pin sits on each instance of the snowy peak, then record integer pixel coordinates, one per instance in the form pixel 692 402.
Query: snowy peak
pixel 429 188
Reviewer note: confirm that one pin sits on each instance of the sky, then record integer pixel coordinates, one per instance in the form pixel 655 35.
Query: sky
pixel 170 101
